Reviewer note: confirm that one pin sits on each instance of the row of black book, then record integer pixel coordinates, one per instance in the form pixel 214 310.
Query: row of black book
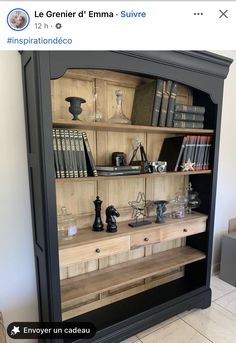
pixel 155 105
pixel 72 154
pixel 177 151
pixel 186 116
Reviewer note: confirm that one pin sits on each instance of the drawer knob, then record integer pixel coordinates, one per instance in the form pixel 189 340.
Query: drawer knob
pixel 146 239
pixel 98 250
pixel 185 230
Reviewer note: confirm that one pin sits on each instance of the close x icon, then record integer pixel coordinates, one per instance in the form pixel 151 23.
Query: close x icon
pixel 223 14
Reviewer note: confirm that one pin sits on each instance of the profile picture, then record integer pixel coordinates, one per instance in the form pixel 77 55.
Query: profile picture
pixel 18 19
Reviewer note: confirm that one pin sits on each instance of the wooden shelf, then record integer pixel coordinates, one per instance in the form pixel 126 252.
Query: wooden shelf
pixel 125 128
pixel 87 236
pixel 117 177
pixel 127 272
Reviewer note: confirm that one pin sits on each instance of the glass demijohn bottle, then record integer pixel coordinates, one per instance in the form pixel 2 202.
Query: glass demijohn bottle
pixel 119 117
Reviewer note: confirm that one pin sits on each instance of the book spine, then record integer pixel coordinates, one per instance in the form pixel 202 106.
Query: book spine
pixel 207 160
pixel 202 152
pixel 157 102
pixel 116 173
pixel 171 106
pixel 165 100
pixel 83 159
pixel 68 154
pixel 55 153
pixel 177 166
pixel 64 152
pixel 89 152
pixel 188 124
pixel 189 109
pixel 116 168
pixel 60 154
pixel 73 153
pixel 189 117
pixel 196 152
pixel 192 154
pixel 78 154
pixel 185 154
pixel 143 104
pixel 190 149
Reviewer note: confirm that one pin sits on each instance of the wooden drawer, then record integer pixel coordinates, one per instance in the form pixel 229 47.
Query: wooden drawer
pixel 92 251
pixel 144 238
pixel 182 229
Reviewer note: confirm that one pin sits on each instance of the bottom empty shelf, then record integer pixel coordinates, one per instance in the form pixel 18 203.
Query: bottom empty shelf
pixel 125 273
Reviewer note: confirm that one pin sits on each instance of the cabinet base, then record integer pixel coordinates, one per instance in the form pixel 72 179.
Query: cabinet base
pixel 131 326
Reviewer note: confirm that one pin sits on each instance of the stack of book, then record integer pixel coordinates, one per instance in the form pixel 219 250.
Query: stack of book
pixel 118 170
pixel 187 116
pixel 177 151
pixel 155 105
pixel 72 154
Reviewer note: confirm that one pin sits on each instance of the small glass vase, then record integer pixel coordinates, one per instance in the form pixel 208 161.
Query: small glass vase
pixel 119 117
pixel 193 199
pixel 66 225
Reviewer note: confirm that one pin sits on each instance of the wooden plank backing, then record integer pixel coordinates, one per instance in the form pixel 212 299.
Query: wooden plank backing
pixel 124 273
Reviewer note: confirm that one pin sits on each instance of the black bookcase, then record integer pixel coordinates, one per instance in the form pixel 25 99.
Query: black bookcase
pixel 204 72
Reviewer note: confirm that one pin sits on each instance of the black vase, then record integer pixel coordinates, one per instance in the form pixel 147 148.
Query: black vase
pixel 160 210
pixel 75 106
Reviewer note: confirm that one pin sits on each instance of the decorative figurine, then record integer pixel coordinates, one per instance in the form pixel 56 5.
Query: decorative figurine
pixel 98 224
pixel 193 199
pixel 111 214
pixel 145 167
pixel 119 117
pixel 75 106
pixel 161 208
pixel 188 166
pixel 140 209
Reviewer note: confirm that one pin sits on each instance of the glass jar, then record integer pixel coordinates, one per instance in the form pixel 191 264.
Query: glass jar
pixel 66 225
pixel 178 206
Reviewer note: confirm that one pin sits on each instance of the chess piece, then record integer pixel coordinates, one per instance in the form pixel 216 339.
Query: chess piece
pixel 98 224
pixel 111 214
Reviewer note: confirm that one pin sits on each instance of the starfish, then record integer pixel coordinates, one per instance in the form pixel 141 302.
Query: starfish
pixel 188 166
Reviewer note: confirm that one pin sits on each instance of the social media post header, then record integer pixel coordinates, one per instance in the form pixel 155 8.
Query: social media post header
pixel 132 25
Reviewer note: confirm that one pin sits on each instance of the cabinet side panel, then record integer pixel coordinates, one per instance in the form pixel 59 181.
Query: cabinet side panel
pixel 36 78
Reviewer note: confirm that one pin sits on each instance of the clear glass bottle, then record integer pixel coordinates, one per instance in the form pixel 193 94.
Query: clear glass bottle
pixel 66 225
pixel 119 117
pixel 193 199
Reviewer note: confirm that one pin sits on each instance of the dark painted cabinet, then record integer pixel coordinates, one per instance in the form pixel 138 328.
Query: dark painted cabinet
pixel 139 278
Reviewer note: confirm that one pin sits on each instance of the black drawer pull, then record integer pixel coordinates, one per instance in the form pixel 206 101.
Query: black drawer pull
pixel 146 239
pixel 185 230
pixel 98 250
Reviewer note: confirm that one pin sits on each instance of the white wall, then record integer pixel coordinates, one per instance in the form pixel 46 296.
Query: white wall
pixel 17 272
pixel 226 186
pixel 18 299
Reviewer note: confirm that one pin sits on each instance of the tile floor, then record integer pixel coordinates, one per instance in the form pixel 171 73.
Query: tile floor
pixel 216 324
